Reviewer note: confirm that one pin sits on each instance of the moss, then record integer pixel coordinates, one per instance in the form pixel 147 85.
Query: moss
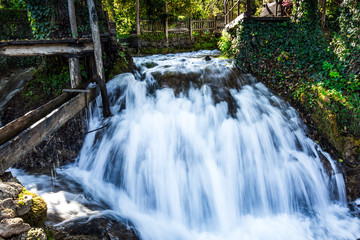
pixel 36 217
pixel 35 234
pixel 49 234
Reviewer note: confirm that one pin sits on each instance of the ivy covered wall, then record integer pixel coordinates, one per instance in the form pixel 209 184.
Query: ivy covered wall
pixel 317 75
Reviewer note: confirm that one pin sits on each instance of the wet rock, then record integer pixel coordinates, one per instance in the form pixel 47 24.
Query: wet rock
pixel 7 213
pixel 207 58
pixel 8 177
pixel 350 153
pixel 12 226
pixel 94 229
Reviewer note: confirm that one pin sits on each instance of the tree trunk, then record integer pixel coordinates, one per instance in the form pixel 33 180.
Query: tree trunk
pixel 323 13
pixel 98 57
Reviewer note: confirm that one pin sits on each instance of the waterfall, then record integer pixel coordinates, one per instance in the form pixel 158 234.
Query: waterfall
pixel 219 158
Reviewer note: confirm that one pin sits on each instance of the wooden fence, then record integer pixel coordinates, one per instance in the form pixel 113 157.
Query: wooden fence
pixel 234 8
pixel 182 27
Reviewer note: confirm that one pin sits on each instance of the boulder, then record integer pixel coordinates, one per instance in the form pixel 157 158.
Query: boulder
pixel 24 205
pixel 8 203
pixel 7 213
pixel 13 226
pixel 8 191
pixel 94 229
pixel 16 185
pixel 36 216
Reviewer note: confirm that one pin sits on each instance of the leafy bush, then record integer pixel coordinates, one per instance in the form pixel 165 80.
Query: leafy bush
pixel 296 58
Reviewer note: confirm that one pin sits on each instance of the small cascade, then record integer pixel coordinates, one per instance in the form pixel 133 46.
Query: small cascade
pixel 217 157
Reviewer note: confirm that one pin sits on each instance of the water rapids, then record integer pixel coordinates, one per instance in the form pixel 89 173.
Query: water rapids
pixel 189 164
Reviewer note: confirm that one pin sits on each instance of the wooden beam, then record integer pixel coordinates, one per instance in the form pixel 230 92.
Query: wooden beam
pixel 15 127
pixel 94 24
pixel 41 49
pixel 104 39
pixel 13 150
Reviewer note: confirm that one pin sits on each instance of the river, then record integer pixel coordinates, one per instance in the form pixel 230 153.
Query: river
pixel 221 158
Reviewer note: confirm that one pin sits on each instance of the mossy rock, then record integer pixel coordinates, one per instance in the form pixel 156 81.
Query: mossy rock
pixel 36 234
pixel 36 217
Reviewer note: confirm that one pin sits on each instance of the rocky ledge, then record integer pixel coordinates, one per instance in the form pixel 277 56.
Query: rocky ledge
pixel 22 213
pixel 23 216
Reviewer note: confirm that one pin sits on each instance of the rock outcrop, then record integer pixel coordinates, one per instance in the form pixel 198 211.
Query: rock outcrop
pixel 20 210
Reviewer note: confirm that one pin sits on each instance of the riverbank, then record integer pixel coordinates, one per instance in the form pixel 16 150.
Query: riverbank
pixel 316 75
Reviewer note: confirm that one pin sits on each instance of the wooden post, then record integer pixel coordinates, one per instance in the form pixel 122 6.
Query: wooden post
pixel 225 9
pixel 74 65
pixel 95 32
pixel 166 24
pixel 248 8
pixel 323 13
pixel 238 8
pixel 215 24
pixel 190 28
pixel 232 11
pixel 138 32
pixel 276 7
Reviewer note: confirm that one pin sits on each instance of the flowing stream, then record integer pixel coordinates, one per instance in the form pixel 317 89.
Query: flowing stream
pixel 220 158
pixel 11 84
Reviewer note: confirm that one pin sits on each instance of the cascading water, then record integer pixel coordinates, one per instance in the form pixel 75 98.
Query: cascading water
pixel 181 165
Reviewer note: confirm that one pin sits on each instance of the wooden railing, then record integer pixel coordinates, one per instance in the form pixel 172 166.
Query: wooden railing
pixel 234 8
pixel 181 27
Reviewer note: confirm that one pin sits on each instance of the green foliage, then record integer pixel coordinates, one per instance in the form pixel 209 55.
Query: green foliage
pixel 205 42
pixel 12 4
pixel 7 63
pixel 36 217
pixel 225 44
pixel 50 78
pixel 40 14
pixel 124 11
pixel 295 57
pixel 306 12
pixel 15 24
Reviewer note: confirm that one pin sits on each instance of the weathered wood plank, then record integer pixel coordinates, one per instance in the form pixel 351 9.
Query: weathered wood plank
pixel 104 39
pixel 13 150
pixel 15 127
pixel 66 49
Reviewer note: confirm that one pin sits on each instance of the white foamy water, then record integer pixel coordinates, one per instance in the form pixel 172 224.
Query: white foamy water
pixel 180 166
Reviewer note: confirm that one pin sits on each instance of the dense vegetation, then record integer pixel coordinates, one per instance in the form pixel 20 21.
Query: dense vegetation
pixel 317 73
